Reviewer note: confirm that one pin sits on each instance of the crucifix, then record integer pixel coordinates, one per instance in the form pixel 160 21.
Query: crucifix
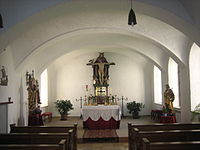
pixel 100 77
pixel 100 70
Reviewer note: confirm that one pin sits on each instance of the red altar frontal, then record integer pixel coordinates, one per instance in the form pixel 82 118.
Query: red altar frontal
pixel 101 117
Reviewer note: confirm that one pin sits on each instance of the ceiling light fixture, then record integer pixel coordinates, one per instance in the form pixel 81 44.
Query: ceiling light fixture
pixel 1 21
pixel 131 17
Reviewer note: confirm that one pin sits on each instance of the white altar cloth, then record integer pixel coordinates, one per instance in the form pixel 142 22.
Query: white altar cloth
pixel 105 112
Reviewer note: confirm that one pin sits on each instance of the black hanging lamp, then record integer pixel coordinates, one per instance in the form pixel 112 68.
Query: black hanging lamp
pixel 1 21
pixel 131 17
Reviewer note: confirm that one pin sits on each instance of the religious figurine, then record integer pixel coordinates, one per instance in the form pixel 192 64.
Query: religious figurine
pixel 4 77
pixel 33 92
pixel 169 98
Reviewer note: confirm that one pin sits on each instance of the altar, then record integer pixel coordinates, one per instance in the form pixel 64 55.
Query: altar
pixel 101 117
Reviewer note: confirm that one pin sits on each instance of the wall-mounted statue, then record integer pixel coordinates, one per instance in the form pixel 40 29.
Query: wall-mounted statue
pixel 4 77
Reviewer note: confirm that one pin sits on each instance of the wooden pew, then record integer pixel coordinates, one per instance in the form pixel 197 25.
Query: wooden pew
pixel 166 136
pixel 49 129
pixel 157 127
pixel 59 146
pixel 178 145
pixel 52 141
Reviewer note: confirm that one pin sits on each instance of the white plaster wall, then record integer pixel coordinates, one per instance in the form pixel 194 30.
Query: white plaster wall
pixel 129 78
pixel 12 89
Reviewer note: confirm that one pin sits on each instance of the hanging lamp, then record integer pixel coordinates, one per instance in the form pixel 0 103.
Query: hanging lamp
pixel 1 21
pixel 131 17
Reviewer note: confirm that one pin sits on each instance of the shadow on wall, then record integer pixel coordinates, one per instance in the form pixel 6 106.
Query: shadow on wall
pixel 148 99
pixel 21 120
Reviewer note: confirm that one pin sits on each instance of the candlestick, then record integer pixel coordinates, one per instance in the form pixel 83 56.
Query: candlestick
pixel 122 99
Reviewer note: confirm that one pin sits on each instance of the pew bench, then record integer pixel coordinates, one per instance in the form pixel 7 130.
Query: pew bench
pixel 157 127
pixel 165 136
pixel 49 129
pixel 59 146
pixel 178 145
pixel 35 138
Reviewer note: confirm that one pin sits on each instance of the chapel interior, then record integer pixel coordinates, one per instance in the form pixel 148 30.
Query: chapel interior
pixel 88 52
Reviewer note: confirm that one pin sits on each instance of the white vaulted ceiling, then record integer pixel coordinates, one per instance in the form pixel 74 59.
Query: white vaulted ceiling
pixel 165 28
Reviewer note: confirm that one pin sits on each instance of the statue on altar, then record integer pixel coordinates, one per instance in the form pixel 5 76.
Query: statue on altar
pixel 100 77
pixel 169 98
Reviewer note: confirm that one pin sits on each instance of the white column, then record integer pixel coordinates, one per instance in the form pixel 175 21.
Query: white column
pixel 185 94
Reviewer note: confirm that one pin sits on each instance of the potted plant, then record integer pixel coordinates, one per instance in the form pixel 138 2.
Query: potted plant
pixel 196 113
pixel 134 108
pixel 63 106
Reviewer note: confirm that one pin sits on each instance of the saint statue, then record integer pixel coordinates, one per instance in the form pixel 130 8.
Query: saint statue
pixel 4 77
pixel 3 72
pixel 169 98
pixel 33 92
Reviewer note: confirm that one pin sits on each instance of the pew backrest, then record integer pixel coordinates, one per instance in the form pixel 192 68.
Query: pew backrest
pixel 32 147
pixel 157 127
pixel 162 126
pixel 33 138
pixel 166 136
pixel 178 145
pixel 49 129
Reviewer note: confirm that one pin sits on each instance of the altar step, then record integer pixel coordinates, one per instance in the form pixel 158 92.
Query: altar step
pixel 107 135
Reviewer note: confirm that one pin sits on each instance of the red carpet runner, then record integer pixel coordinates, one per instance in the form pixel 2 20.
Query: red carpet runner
pixel 106 135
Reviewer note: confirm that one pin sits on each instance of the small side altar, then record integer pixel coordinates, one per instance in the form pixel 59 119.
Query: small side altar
pixel 101 117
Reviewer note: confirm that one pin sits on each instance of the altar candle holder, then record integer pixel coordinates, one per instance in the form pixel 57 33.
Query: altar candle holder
pixel 122 99
pixel 85 99
pixel 81 99
pixel 81 104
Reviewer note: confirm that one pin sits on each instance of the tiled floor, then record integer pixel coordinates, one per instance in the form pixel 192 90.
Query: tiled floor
pixel 103 146
pixel 122 132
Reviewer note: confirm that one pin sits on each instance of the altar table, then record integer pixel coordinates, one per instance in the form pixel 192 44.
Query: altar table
pixel 101 117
